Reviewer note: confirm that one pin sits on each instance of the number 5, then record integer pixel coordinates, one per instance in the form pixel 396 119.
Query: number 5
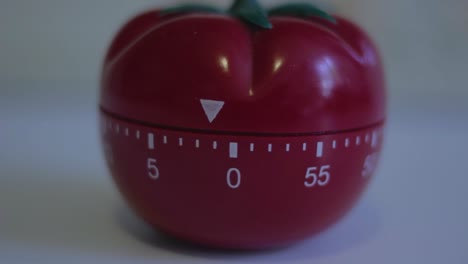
pixel 311 177
pixel 153 171
pixel 324 175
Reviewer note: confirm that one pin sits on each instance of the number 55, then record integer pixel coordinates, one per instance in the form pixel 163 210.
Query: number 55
pixel 312 179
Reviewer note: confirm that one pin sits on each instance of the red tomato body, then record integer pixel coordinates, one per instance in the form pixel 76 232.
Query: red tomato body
pixel 291 147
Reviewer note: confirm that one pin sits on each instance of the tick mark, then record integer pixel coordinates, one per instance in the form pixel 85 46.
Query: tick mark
pixel 374 139
pixel 233 150
pixel 334 144
pixel 252 147
pixel 358 140
pixel 126 132
pixel 165 139
pixel 150 141
pixel 288 147
pixel 304 146
pixel 181 142
pixel 197 143
pixel 270 148
pixel 319 153
pixel 347 142
pixel 215 145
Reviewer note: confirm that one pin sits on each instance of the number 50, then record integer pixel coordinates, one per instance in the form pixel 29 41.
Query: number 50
pixel 321 179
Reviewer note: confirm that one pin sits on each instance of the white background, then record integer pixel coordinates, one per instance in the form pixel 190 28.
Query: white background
pixel 60 43
pixel 58 204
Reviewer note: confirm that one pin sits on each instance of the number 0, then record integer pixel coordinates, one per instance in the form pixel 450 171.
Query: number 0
pixel 233 178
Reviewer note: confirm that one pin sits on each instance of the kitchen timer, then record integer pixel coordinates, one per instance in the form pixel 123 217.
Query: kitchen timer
pixel 244 128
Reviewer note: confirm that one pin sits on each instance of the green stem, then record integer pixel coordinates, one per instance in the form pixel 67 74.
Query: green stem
pixel 300 10
pixel 252 12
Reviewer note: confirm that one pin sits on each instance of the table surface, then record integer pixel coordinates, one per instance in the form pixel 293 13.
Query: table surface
pixel 58 203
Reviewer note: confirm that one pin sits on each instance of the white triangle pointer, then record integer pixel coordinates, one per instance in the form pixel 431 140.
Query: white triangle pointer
pixel 211 108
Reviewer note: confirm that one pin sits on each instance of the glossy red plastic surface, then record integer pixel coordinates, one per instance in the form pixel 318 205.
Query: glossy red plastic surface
pixel 299 77
pixel 192 186
pixel 302 99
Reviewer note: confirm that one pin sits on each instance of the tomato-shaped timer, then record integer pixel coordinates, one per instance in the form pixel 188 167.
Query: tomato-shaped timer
pixel 242 129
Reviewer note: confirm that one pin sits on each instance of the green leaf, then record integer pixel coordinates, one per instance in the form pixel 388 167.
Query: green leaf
pixel 301 10
pixel 191 8
pixel 252 12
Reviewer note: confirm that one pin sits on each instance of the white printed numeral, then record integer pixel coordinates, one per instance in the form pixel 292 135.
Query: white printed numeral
pixel 370 164
pixel 322 179
pixel 233 178
pixel 153 171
